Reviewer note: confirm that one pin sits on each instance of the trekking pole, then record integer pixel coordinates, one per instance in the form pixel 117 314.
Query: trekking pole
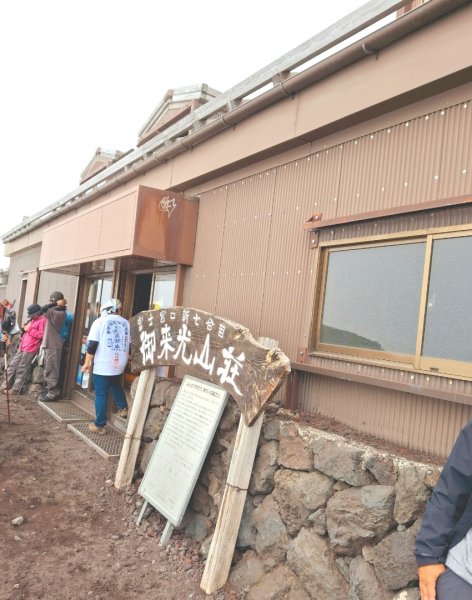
pixel 7 391
pixel 26 375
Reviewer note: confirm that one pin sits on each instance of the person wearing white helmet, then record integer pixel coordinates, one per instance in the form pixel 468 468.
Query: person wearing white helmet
pixel 108 347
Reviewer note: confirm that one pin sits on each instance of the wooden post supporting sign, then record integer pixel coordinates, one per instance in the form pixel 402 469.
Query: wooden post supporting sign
pixel 134 430
pixel 224 539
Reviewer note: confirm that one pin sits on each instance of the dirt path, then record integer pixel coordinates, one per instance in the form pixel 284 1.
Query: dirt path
pixel 79 538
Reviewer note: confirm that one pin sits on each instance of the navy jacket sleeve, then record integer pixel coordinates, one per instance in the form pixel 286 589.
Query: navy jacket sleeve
pixel 448 513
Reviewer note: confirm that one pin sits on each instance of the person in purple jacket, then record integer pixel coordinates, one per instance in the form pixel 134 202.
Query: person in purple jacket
pixel 29 346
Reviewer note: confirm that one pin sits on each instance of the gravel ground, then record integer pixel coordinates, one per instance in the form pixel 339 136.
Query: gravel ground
pixel 76 536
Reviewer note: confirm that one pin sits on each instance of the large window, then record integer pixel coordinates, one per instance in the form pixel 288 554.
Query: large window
pixel 407 301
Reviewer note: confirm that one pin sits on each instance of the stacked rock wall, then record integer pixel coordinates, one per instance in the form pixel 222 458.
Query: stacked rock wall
pixel 324 518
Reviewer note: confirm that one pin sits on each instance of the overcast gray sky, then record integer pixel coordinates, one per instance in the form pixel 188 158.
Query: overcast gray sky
pixel 88 74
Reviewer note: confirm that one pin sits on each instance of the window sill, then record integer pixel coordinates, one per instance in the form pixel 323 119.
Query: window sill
pixel 384 363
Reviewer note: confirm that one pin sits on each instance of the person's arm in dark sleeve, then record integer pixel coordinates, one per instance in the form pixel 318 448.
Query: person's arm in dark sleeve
pixel 443 514
pixel 447 503
pixel 46 307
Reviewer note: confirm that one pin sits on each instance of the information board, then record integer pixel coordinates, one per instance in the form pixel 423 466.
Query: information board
pixel 182 447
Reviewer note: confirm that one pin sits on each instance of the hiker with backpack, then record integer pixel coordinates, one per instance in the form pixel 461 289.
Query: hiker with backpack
pixel 10 328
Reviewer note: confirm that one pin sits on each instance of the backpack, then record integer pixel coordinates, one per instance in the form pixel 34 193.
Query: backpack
pixel 9 320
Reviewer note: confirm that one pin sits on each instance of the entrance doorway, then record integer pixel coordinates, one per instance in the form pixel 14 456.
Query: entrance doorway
pixel 142 292
pixel 152 291
pixel 145 290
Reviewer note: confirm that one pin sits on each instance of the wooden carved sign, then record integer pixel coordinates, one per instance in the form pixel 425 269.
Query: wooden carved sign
pixel 216 349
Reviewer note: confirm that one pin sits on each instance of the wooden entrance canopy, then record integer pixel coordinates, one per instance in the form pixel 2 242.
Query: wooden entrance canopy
pixel 141 221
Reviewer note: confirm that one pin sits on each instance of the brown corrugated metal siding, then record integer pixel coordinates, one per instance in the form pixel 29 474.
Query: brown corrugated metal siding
pixel 253 261
pixel 426 424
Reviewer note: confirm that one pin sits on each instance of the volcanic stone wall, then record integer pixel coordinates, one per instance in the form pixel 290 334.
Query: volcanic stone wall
pixel 324 517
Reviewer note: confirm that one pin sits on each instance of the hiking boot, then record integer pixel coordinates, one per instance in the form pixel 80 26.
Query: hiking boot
pixel 123 413
pixel 94 429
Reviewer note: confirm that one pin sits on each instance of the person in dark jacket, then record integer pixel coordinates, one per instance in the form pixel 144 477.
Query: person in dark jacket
pixel 55 312
pixel 444 543
pixel 10 328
